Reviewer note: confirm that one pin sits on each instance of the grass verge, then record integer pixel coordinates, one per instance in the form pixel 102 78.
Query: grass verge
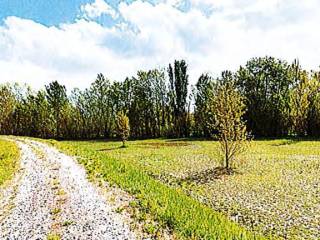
pixel 9 155
pixel 171 207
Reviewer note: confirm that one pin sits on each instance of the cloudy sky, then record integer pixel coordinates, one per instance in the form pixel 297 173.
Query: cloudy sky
pixel 71 41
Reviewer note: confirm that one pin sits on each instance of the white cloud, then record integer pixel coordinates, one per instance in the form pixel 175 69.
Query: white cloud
pixel 154 35
pixel 96 9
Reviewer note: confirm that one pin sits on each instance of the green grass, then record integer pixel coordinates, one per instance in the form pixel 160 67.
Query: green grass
pixel 170 206
pixel 275 190
pixel 9 155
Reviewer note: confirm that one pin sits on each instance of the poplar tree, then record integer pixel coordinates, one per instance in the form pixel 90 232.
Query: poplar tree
pixel 299 101
pixel 57 99
pixel 178 93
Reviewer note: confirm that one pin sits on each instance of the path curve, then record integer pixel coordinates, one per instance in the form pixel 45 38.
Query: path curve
pixel 51 196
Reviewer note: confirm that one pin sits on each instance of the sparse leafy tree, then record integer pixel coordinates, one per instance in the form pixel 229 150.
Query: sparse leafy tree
pixel 123 127
pixel 232 132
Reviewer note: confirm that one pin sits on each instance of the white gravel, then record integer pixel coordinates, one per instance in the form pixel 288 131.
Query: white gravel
pixel 54 197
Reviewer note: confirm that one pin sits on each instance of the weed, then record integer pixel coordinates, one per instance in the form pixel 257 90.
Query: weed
pixel 53 236
pixel 67 223
pixel 61 192
pixel 55 211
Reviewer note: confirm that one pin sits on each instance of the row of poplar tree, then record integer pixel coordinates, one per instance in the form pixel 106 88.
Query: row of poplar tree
pixel 281 99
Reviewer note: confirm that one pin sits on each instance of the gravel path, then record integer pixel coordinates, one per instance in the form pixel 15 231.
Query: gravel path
pixel 51 196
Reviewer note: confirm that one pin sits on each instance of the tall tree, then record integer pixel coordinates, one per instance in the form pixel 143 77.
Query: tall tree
pixel 178 85
pixel 57 99
pixel 314 106
pixel 203 113
pixel 299 100
pixel 101 105
pixel 7 105
pixel 266 82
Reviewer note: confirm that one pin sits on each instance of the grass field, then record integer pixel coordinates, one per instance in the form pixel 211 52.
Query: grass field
pixel 274 191
pixel 9 155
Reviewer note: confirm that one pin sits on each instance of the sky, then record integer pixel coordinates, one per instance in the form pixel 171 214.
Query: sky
pixel 72 41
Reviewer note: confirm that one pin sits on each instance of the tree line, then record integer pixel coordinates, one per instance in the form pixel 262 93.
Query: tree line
pixel 280 99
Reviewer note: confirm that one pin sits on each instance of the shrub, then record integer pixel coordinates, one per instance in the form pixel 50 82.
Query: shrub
pixel 123 127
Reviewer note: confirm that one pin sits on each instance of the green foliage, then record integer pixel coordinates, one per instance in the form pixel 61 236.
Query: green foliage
pixel 299 101
pixel 101 106
pixel 7 101
pixel 123 127
pixel 9 155
pixel 230 108
pixel 314 106
pixel 147 108
pixel 178 93
pixel 204 115
pixel 170 207
pixel 265 82
pixel 57 99
pixel 158 104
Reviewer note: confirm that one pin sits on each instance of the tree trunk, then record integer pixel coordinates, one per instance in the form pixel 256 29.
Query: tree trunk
pixel 227 155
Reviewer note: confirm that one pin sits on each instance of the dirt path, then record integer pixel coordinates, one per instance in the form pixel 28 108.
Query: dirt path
pixel 52 197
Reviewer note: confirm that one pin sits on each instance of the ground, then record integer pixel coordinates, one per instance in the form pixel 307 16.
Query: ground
pixel 275 189
pixel 169 184
pixel 51 198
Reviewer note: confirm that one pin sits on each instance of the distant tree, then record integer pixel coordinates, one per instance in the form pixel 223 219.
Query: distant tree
pixel 178 93
pixel 203 114
pixel 101 106
pixel 266 82
pixel 280 99
pixel 57 99
pixel 146 99
pixel 230 109
pixel 37 115
pixel 299 100
pixel 7 104
pixel 123 127
pixel 313 122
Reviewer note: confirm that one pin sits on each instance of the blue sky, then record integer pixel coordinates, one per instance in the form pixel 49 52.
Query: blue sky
pixel 49 13
pixel 73 40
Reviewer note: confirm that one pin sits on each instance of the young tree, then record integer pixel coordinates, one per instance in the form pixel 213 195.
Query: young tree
pixel 230 108
pixel 123 127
